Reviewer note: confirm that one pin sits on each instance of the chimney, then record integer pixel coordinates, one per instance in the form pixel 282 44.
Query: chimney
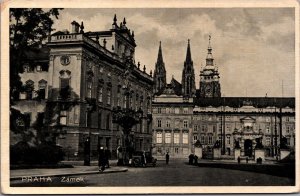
pixel 75 27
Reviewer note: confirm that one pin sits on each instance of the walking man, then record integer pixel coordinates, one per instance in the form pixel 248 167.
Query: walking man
pixel 167 158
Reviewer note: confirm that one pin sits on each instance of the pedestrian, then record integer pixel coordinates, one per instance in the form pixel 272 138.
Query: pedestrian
pixel 247 159
pixel 144 162
pixel 101 159
pixel 196 160
pixel 239 160
pixel 191 159
pixel 107 157
pixel 167 158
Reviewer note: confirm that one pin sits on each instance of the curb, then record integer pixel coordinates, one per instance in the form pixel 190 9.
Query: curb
pixel 71 174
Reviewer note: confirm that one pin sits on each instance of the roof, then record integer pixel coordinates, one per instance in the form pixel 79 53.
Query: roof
pixel 259 102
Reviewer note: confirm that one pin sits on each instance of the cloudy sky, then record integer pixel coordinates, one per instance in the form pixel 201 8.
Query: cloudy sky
pixel 253 48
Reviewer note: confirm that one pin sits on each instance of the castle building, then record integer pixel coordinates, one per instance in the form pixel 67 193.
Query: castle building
pixel 82 79
pixel 182 118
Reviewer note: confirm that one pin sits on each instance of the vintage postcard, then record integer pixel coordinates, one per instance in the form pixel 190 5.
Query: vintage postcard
pixel 149 97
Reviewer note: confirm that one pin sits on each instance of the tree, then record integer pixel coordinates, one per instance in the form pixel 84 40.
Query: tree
pixel 28 27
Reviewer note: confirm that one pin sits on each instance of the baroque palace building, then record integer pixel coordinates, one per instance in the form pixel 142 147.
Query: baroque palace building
pixel 75 83
pixel 183 115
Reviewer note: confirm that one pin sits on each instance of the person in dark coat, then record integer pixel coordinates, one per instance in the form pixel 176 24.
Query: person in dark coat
pixel 191 159
pixel 167 158
pixel 107 157
pixel 143 159
pixel 101 159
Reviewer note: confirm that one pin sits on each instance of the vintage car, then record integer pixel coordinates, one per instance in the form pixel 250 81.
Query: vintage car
pixel 138 157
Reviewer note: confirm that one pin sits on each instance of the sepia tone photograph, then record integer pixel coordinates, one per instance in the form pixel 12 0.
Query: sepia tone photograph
pixel 150 99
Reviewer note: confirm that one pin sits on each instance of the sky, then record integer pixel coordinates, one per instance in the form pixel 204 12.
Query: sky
pixel 254 48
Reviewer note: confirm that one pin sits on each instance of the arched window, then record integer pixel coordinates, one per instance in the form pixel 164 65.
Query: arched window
pixel 42 89
pixel 29 87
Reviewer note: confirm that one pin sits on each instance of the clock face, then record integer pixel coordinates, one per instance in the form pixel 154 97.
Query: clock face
pixel 65 60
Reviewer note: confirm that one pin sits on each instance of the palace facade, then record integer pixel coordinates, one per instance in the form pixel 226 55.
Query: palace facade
pixel 77 81
pixel 183 115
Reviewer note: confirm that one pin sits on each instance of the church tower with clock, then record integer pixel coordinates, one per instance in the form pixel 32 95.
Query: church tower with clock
pixel 209 77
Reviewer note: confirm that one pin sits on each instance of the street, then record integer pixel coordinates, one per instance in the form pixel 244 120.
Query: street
pixel 177 173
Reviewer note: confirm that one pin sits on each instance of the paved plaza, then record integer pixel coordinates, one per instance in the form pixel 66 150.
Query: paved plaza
pixel 177 173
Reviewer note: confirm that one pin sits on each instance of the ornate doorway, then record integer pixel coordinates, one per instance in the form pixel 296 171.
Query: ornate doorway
pixel 248 147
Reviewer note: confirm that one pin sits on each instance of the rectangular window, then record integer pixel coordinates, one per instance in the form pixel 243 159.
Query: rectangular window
pixel 159 110
pixel 288 140
pixel 185 138
pixel 108 96
pixel 185 124
pixel 185 110
pixel 176 138
pixel 176 150
pixel 168 123
pixel 203 128
pixel 214 128
pixel 159 137
pixel 63 117
pixel 168 138
pixel 177 111
pixel 195 127
pixel 287 119
pixel 167 110
pixel 100 94
pixel 268 141
pixel 288 129
pixel 210 141
pixel 177 123
pixel 228 139
pixel 158 123
pixel 267 129
pixel 202 139
pixel 89 89
pixel 195 137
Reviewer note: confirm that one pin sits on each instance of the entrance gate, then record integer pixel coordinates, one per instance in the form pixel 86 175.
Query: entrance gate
pixel 248 148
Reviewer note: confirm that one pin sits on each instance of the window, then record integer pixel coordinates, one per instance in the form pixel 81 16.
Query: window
pixel 119 96
pixel 177 123
pixel 177 111
pixel 210 141
pixel 65 77
pixel 268 119
pixel 29 87
pixel 185 138
pixel 267 129
pixel 159 137
pixel 214 128
pixel 167 137
pixel 108 96
pixel 42 89
pixel 108 121
pixel 195 137
pixel 228 139
pixel 125 101
pixel 176 150
pixel 288 128
pixel 100 94
pixel 167 110
pixel 287 119
pixel 100 120
pixel 195 127
pixel 185 124
pixel 89 89
pixel 137 102
pixel 63 117
pixel 159 110
pixel 202 139
pixel 268 141
pixel 185 110
pixel 159 123
pixel 288 140
pixel 176 138
pixel 168 123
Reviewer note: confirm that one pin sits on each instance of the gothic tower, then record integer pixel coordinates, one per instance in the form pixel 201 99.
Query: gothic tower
pixel 159 73
pixel 209 77
pixel 188 75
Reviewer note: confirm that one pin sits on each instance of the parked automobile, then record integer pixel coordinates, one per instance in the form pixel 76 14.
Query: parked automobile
pixel 138 159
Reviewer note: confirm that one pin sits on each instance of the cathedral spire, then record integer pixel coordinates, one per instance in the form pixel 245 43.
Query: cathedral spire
pixel 209 57
pixel 188 58
pixel 159 56
pixel 159 72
